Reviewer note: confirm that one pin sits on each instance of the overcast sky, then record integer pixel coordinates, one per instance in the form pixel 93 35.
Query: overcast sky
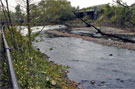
pixel 80 3
pixel 86 3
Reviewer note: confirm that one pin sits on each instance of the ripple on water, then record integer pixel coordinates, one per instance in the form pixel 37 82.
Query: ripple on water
pixel 109 67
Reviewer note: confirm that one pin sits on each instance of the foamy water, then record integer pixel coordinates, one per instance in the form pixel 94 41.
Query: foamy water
pixel 24 29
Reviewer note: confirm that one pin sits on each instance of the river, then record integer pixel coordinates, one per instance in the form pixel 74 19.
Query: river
pixel 108 67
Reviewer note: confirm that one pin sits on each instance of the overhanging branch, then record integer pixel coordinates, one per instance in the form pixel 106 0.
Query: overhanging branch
pixel 102 33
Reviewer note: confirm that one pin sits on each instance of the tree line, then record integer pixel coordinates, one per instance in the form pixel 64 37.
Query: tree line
pixel 121 14
pixel 45 12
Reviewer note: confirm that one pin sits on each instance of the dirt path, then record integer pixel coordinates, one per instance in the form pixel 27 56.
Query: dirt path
pixel 97 40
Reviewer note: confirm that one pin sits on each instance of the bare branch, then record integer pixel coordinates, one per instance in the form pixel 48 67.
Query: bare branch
pixel 120 2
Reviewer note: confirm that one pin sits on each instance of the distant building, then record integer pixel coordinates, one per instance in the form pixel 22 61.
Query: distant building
pixel 91 12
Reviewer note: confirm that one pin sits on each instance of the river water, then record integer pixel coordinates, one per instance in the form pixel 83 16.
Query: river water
pixel 108 67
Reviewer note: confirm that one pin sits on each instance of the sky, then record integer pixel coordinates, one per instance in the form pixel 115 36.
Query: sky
pixel 87 3
pixel 80 3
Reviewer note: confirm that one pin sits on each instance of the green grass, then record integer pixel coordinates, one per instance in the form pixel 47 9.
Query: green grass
pixel 34 70
pixel 4 73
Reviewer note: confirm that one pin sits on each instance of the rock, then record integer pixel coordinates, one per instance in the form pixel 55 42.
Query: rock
pixel 47 78
pixel 51 49
pixel 92 82
pixel 53 82
pixel 74 83
pixel 110 54
pixel 66 71
pixel 121 80
pixel 38 49
pixel 118 79
pixel 102 83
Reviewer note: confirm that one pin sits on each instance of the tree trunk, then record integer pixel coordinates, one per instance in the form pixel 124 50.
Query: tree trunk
pixel 28 25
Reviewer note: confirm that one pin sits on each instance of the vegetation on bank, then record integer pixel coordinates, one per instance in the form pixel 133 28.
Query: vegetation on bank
pixel 35 71
pixel 5 82
pixel 120 14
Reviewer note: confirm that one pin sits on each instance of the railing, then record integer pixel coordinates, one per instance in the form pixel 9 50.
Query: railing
pixel 10 63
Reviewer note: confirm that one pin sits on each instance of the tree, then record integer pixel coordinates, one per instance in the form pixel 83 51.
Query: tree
pixel 18 12
pixel 130 13
pixel 35 14
pixel 1 15
pixel 28 24
pixel 26 4
pixel 55 10
pixel 121 14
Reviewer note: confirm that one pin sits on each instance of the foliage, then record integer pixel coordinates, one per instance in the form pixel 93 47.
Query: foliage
pixel 35 71
pixel 117 14
pixel 53 11
pixel 1 15
pixel 46 12
pixel 4 73
pixel 18 12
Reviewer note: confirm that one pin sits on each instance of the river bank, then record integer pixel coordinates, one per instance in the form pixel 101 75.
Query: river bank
pixel 103 24
pixel 80 31
pixel 100 40
pixel 90 56
pixel 68 48
pixel 5 82
pixel 32 65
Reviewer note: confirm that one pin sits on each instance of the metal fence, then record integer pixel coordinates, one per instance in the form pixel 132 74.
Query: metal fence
pixel 10 63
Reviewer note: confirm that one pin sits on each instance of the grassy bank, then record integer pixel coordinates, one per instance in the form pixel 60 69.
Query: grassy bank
pixel 5 82
pixel 34 70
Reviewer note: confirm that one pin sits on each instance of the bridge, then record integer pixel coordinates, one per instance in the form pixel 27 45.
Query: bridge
pixel 91 12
